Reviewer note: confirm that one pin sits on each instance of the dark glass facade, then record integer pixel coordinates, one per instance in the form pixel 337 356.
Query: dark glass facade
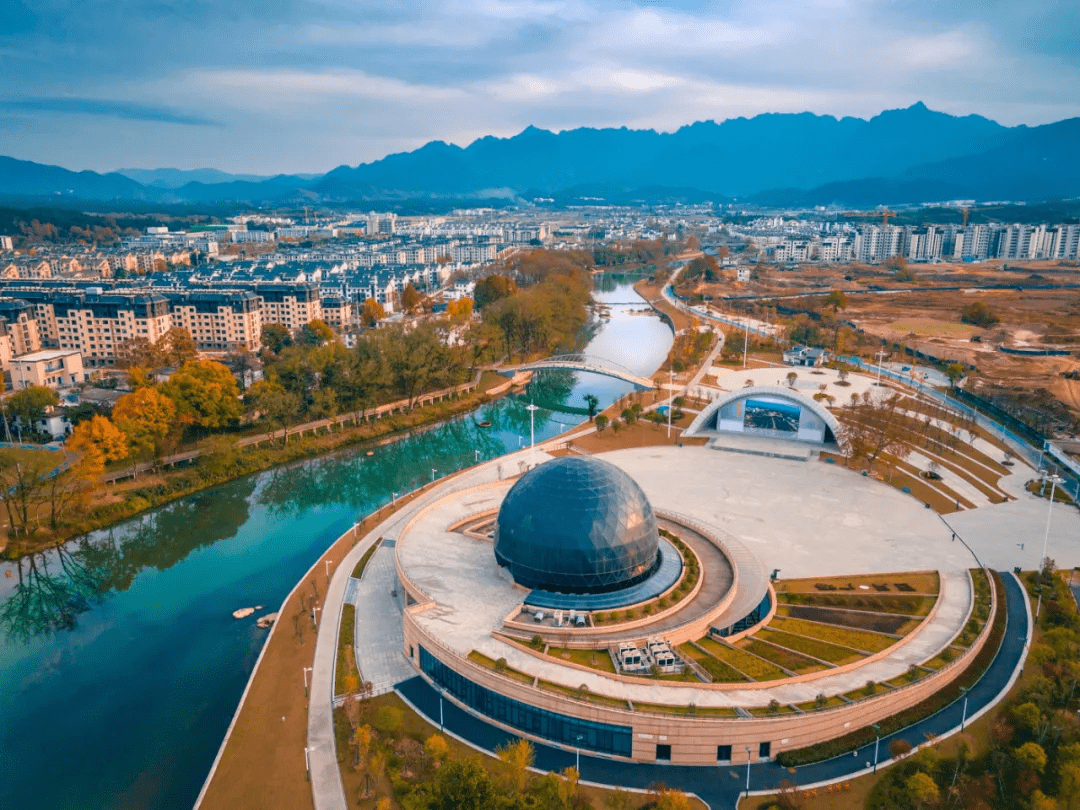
pixel 604 738
pixel 577 525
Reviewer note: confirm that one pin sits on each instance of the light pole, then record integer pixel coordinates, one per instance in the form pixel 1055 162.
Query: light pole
pixel 327 568
pixel 748 772
pixel 963 713
pixel 440 711
pixel 532 409
pixel 1054 481
pixel 746 339
pixel 433 471
pixel 877 742
pixel 880 356
pixel 315 616
pixel 577 761
pixel 477 454
pixel 307 761
pixel 393 498
pixel 671 400
pixel 306 671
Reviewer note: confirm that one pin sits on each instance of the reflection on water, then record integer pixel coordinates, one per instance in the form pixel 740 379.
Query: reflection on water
pixel 120 646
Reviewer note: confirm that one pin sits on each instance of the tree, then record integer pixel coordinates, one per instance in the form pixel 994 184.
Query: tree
pixel 98 435
pixel 145 417
pixel 30 404
pixel 665 798
pixel 493 288
pixel 278 406
pixel 174 348
pixel 517 757
pixel 922 789
pixel 371 313
pixel 837 300
pixel 1031 757
pixel 875 427
pixel 601 422
pixel 463 785
pixel 979 314
pixel 205 393
pixel 410 298
pixel 436 748
pixel 461 310
pixel 315 333
pixel 591 402
pixel 954 372
pixel 276 336
pixel 1040 801
pixel 791 378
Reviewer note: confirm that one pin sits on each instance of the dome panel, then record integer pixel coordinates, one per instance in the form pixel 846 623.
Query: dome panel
pixel 577 525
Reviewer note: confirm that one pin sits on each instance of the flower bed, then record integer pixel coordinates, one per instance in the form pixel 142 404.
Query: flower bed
pixel 831 653
pixel 877 603
pixel 799 664
pixel 857 619
pixel 749 665
pixel 721 672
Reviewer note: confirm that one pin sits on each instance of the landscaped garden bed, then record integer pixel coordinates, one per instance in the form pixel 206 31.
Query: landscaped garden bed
pixel 866 620
pixel 750 665
pixel 913 582
pixel 500 667
pixel 821 650
pixel 799 664
pixel 844 636
pixel 876 603
pixel 720 672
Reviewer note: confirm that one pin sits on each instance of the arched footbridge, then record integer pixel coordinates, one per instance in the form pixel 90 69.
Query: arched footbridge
pixel 584 362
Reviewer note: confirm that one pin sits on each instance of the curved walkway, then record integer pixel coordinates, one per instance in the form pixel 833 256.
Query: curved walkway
pixel 721 787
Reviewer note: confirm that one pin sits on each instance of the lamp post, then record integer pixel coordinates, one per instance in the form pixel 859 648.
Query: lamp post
pixel 315 616
pixel 880 357
pixel 327 568
pixel 746 339
pixel 877 742
pixel 306 671
pixel 671 400
pixel 1054 480
pixel 477 454
pixel 532 409
pixel 577 749
pixel 433 471
pixel 748 772
pixel 963 712
pixel 440 711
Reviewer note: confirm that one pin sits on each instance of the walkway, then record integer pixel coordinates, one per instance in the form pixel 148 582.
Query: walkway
pixel 378 643
pixel 720 788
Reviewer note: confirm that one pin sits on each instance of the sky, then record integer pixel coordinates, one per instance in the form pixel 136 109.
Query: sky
pixel 269 86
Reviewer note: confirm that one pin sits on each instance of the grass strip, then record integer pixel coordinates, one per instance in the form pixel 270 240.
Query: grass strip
pixel 346 634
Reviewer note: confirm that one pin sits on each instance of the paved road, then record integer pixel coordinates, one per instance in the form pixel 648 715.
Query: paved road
pixel 720 787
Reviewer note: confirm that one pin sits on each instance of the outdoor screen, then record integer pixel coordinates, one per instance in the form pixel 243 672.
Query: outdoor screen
pixel 771 416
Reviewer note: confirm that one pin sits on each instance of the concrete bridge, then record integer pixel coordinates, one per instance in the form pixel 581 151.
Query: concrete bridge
pixel 583 362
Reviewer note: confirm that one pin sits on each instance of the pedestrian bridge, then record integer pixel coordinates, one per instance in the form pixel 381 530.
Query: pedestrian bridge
pixel 584 362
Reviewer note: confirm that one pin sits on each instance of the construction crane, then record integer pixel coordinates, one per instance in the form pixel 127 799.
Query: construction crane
pixel 965 211
pixel 885 214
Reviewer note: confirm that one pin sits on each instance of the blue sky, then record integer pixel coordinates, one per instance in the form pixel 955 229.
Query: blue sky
pixel 273 86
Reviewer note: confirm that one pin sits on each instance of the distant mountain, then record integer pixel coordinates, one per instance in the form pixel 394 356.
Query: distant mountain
pixel 175 178
pixel 22 178
pixel 907 155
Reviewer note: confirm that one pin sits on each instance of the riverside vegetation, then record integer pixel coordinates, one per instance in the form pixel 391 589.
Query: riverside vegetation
pixel 534 304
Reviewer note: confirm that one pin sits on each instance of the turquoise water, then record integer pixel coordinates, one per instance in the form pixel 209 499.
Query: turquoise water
pixel 120 664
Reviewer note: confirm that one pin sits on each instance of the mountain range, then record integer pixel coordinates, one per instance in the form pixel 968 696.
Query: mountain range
pixel 899 156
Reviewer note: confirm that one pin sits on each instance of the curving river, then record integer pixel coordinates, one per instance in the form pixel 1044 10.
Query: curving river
pixel 120 664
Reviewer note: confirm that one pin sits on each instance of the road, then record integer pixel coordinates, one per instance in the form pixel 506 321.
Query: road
pixel 721 787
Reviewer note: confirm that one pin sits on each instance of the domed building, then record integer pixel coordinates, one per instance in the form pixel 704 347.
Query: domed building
pixel 577 525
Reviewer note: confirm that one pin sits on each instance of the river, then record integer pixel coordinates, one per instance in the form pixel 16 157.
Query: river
pixel 120 664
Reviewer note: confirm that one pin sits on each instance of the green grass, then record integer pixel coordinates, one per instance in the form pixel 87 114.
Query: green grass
pixel 799 664
pixel 593 659
pixel 510 672
pixel 721 672
pixel 910 676
pixel 765 711
pixel 813 647
pixel 746 663
pixel 696 711
pixel 587 697
pixel 358 572
pixel 830 703
pixel 946 656
pixel 846 637
pixel 884 603
pixel 345 641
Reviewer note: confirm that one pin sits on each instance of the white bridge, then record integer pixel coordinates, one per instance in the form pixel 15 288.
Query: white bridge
pixel 584 362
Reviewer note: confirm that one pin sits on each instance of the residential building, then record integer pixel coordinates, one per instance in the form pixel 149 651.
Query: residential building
pixel 48 368
pixel 218 320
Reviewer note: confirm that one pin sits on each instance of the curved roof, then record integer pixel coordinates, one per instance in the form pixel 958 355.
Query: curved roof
pixel 778 391
pixel 577 525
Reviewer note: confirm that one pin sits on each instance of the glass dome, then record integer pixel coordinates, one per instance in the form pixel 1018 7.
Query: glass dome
pixel 577 525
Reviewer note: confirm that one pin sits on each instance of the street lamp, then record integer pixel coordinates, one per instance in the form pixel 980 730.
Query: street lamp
pixel 671 401
pixel 748 772
pixel 532 409
pixel 477 454
pixel 963 713
pixel 440 711
pixel 315 616
pixel 1054 480
pixel 877 742
pixel 433 471
pixel 327 568
pixel 577 762
pixel 880 356
pixel 306 671
pixel 746 339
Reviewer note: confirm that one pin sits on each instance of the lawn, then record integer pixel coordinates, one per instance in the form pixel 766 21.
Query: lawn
pixel 509 672
pixel 587 697
pixel 749 665
pixel 830 703
pixel 810 646
pixel 689 711
pixel 854 619
pixel 845 637
pixel 593 659
pixel 799 664
pixel 920 582
pixel 721 672
pixel 876 603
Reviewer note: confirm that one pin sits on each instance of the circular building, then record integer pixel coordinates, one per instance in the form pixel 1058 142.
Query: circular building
pixel 577 525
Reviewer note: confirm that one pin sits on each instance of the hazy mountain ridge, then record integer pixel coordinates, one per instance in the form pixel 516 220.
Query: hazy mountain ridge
pixel 905 155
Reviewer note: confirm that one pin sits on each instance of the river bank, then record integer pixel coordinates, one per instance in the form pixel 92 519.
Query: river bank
pixel 224 461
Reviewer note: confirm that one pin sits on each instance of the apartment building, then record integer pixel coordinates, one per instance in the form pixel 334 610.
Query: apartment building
pixel 293 305
pixel 218 320
pixel 96 323
pixel 337 312
pixel 19 323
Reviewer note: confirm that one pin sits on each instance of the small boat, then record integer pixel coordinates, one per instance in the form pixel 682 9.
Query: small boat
pixel 370 453
pixel 484 424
